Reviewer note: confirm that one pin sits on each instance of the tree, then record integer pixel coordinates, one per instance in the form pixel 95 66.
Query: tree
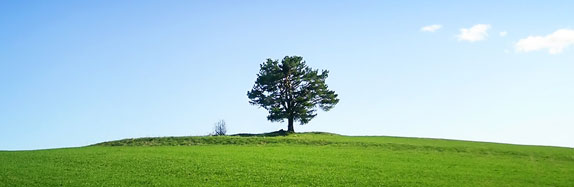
pixel 291 90
pixel 220 128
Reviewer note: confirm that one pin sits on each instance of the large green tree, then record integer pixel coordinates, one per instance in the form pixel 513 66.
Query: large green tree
pixel 291 90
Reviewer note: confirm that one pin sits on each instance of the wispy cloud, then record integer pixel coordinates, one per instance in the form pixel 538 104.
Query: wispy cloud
pixel 431 28
pixel 503 33
pixel 475 33
pixel 555 42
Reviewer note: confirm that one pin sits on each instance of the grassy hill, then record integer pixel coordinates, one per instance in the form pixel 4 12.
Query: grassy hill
pixel 306 159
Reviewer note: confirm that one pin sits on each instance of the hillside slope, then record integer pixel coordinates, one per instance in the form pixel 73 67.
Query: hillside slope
pixel 297 159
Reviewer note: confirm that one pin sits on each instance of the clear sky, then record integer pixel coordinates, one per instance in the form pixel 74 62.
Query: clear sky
pixel 74 73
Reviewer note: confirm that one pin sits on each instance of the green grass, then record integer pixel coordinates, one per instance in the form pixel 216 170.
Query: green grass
pixel 308 159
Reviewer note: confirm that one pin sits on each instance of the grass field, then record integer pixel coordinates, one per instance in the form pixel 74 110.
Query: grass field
pixel 308 159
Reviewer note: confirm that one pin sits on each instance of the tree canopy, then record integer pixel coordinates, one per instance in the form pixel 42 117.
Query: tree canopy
pixel 291 90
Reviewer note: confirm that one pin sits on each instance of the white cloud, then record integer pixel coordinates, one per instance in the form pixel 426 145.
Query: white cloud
pixel 503 33
pixel 431 28
pixel 555 42
pixel 475 33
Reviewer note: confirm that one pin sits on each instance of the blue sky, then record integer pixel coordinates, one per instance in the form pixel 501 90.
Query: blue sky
pixel 74 73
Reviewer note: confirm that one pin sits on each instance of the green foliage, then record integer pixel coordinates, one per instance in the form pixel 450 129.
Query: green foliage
pixel 309 159
pixel 291 90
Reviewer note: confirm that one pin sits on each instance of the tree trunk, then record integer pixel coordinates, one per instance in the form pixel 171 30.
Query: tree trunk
pixel 290 128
